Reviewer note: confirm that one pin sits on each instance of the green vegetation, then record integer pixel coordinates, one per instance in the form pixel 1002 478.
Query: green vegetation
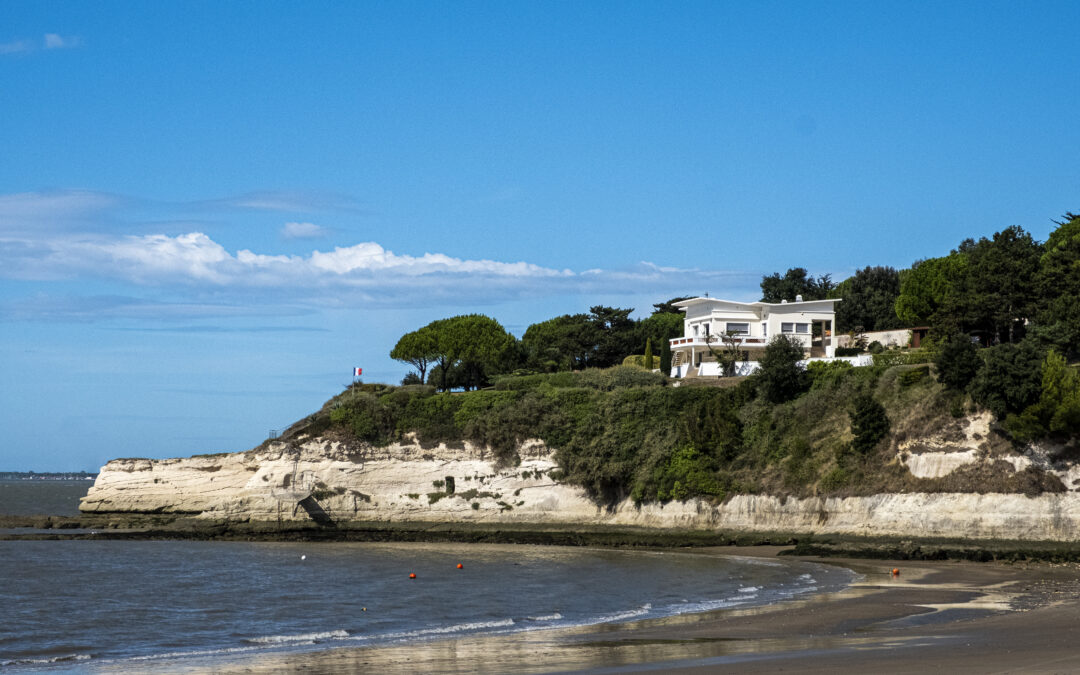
pixel 869 300
pixel 781 378
pixel 1057 412
pixel 957 363
pixel 1004 322
pixel 465 350
pixel 869 423
pixel 625 433
pixel 796 281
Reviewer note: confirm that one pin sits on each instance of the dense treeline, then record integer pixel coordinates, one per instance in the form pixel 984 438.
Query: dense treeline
pixel 1004 320
pixel 467 352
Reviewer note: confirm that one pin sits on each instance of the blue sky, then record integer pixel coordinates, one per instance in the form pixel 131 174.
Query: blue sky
pixel 210 212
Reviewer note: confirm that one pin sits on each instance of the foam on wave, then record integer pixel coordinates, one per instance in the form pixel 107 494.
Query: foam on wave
pixel 36 662
pixel 302 638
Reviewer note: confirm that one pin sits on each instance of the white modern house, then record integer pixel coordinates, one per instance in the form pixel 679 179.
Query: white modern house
pixel 751 325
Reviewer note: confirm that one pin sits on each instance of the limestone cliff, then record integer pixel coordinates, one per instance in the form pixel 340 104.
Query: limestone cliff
pixel 323 480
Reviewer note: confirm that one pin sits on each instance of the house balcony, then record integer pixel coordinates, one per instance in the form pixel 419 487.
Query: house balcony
pixel 714 340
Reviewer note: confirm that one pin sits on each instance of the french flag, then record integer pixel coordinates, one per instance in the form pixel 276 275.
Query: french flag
pixel 356 372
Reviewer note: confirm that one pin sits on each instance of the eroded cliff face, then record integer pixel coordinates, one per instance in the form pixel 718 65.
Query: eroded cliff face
pixel 321 481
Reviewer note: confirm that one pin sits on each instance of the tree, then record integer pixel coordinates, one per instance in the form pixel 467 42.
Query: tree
pixel 869 423
pixel 566 342
pixel 869 300
pixel 729 354
pixel 669 306
pixel 1057 412
pixel 957 362
pixel 417 349
pixel 1057 283
pixel 929 290
pixel 780 377
pixel 796 281
pixel 1009 379
pixel 460 351
pixel 999 293
pixel 444 355
pixel 600 339
pixel 661 327
pixel 477 344
pixel 617 335
pixel 648 355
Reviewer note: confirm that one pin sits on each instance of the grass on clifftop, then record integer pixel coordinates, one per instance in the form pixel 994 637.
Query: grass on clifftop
pixel 624 432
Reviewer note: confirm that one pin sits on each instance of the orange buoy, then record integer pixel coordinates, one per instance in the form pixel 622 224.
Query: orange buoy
pixel 412 575
pixel 460 566
pixel 896 571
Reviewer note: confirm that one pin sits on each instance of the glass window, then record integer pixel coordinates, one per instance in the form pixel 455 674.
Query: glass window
pixel 802 328
pixel 787 328
pixel 738 328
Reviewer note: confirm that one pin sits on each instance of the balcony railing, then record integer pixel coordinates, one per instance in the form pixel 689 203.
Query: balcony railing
pixel 715 341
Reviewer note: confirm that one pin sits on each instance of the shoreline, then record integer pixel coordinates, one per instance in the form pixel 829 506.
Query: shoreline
pixel 147 526
pixel 964 616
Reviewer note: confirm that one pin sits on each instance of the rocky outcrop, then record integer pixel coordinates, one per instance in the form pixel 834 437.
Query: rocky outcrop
pixel 327 482
pixel 403 481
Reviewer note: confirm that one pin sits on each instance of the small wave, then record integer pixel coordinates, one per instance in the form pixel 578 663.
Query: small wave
pixel 303 638
pixel 442 630
pixel 806 577
pixel 545 617
pixel 706 605
pixel 623 616
pixel 195 652
pixel 750 589
pixel 55 659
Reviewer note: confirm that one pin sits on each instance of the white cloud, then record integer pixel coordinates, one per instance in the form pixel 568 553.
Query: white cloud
pixel 16 46
pixel 55 41
pixel 303 231
pixel 87 237
pixel 194 258
pixel 365 274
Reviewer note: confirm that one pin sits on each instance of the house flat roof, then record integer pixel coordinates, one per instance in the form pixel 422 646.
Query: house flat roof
pixel 700 300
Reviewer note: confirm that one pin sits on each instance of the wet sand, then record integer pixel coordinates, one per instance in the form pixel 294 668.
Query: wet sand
pixel 957 616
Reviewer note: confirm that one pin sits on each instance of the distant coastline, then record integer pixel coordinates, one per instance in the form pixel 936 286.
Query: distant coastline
pixel 47 475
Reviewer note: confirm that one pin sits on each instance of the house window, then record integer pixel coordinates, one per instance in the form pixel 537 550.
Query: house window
pixel 706 330
pixel 802 328
pixel 738 328
pixel 764 330
pixel 695 330
pixel 787 328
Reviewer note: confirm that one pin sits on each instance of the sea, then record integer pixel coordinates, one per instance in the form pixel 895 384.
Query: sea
pixel 132 606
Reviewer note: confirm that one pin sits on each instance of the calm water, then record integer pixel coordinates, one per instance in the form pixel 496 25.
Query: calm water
pixel 45 497
pixel 116 606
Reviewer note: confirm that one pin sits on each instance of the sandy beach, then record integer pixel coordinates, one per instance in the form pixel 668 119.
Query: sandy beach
pixel 958 616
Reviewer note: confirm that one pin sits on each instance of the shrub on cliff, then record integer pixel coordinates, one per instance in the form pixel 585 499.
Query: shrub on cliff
pixel 685 473
pixel 780 377
pixel 957 362
pixel 1010 378
pixel 1057 412
pixel 869 423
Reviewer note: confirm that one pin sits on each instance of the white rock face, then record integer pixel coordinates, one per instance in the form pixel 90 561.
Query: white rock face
pixel 392 484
